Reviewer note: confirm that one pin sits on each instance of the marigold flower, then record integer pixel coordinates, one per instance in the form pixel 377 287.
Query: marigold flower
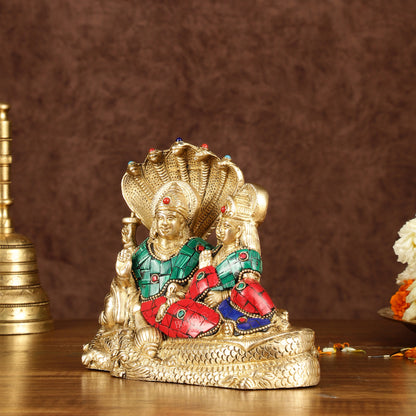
pixel 339 346
pixel 410 353
pixel 326 351
pixel 398 300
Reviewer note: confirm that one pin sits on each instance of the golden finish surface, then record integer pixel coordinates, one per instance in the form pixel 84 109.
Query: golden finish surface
pixel 41 375
pixel 179 193
pixel 213 179
pixel 24 306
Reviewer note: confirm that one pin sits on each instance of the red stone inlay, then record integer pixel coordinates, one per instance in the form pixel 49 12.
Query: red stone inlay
pixel 243 256
pixel 152 149
pixel 198 318
pixel 200 248
pixel 154 278
pixel 149 309
pixel 205 146
pixel 223 209
pixel 166 200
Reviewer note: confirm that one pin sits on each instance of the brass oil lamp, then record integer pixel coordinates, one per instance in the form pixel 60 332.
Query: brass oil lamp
pixel 24 306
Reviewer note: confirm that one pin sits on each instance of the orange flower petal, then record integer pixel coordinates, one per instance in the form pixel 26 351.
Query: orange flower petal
pixel 398 300
pixel 410 353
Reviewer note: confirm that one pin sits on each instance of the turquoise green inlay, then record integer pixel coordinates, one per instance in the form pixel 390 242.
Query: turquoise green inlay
pixel 176 273
pixel 145 264
pixel 166 267
pixel 181 261
pixel 155 265
pixel 192 264
pixel 229 270
pixel 176 268
pixel 200 276
pixel 181 313
pixel 187 250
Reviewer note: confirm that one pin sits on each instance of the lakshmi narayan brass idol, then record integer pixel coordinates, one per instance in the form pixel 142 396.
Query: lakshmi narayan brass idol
pixel 182 311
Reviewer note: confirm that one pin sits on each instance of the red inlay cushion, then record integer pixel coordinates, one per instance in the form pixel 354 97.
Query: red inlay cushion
pixel 204 279
pixel 252 297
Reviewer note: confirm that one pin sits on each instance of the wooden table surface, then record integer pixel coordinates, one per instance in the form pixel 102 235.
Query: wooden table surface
pixel 42 375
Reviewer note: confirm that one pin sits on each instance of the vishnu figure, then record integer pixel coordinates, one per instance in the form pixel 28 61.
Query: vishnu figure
pixel 164 263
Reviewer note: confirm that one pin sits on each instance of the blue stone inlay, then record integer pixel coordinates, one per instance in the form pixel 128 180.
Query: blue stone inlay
pixel 228 312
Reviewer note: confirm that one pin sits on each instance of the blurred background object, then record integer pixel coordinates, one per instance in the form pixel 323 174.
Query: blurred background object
pixel 24 306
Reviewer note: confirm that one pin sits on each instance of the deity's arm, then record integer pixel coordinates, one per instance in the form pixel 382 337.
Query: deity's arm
pixel 124 267
pixel 240 266
pixel 116 304
pixel 253 275
pixel 205 259
pixel 215 297
pixel 165 306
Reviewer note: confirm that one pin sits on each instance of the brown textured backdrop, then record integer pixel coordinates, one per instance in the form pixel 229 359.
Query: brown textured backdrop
pixel 315 100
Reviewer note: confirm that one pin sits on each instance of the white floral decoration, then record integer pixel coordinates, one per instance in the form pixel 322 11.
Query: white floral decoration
pixel 405 249
pixel 405 246
pixel 411 297
pixel 409 273
pixel 410 313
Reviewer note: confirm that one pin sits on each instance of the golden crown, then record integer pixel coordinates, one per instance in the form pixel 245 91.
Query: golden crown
pixel 177 196
pixel 211 179
pixel 248 204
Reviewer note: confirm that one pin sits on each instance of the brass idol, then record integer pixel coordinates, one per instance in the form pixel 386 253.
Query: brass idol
pixel 180 310
pixel 24 306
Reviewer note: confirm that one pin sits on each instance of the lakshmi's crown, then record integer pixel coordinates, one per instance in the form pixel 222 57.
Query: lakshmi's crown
pixel 249 204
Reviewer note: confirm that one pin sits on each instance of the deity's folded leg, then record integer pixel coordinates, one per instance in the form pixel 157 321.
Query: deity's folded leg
pixel 250 296
pixel 183 319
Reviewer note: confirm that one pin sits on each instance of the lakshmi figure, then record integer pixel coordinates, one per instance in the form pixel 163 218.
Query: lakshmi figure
pixel 229 275
pixel 181 311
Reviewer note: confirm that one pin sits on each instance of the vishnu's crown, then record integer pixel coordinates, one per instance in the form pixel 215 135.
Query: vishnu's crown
pixel 211 181
pixel 177 196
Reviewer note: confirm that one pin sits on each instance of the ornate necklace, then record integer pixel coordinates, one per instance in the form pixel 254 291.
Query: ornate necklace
pixel 224 252
pixel 165 253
